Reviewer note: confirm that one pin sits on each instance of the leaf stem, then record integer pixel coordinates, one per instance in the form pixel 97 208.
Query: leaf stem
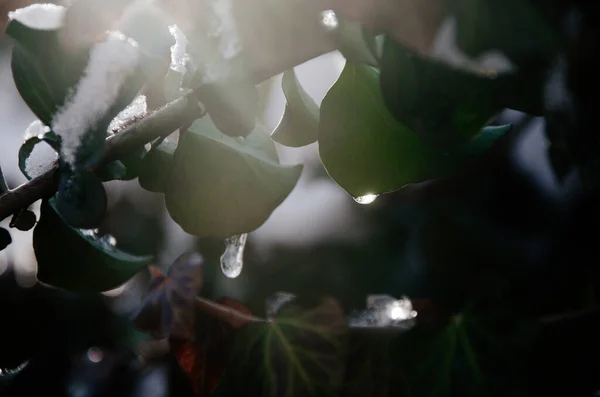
pixel 233 317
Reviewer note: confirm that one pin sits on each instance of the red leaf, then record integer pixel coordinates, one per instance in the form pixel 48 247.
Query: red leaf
pixel 203 361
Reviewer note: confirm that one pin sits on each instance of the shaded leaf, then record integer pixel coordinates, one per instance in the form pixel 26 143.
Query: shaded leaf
pixel 3 186
pixel 168 309
pixel 5 238
pixel 299 125
pixel 204 360
pixel 77 259
pixel 439 103
pixel 366 151
pixel 233 106
pixel 155 168
pixel 81 199
pixel 300 352
pixel 111 171
pixel 23 220
pixel 222 186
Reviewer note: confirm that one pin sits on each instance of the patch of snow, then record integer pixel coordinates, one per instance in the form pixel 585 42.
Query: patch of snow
pixel 445 48
pixel 111 63
pixel 178 50
pixel 40 160
pixel 35 129
pixel 137 108
pixel 40 16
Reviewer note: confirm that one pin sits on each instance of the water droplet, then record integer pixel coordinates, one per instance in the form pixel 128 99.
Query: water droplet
pixel 232 259
pixel 366 199
pixel 329 20
pixel 89 232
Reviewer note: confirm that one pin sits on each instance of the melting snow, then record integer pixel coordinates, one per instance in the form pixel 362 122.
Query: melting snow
pixel 40 160
pixel 111 63
pixel 137 108
pixel 40 16
pixel 36 128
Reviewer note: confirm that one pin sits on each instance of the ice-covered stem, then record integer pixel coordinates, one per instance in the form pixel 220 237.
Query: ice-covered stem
pixel 162 121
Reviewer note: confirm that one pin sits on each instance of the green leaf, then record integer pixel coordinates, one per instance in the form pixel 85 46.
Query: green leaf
pixel 5 238
pixel 300 123
pixel 112 171
pixel 221 186
pixel 78 260
pixel 233 105
pixel 440 103
pixel 300 352
pixel 367 152
pixel 42 70
pixel 363 148
pixel 81 199
pixel 156 167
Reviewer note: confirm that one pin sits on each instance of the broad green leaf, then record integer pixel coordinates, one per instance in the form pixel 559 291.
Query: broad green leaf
pixel 78 260
pixel 300 123
pixel 441 104
pixel 81 199
pixel 366 151
pixel 363 148
pixel 42 70
pixel 5 238
pixel 156 166
pixel 112 171
pixel 221 186
pixel 299 352
pixel 232 105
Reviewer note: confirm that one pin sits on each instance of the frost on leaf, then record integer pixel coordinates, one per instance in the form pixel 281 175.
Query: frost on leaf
pixel 40 16
pixel 385 311
pixel 136 109
pixel 41 159
pixel 111 63
pixel 178 50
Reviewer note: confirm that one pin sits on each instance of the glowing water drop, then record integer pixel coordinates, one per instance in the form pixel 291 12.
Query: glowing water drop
pixel 366 199
pixel 329 20
pixel 232 259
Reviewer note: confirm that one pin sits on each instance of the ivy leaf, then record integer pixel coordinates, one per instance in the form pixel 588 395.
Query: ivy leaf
pixel 111 171
pixel 439 103
pixel 168 309
pixel 300 123
pixel 363 148
pixel 3 186
pixel 5 238
pixel 81 199
pixel 366 151
pixel 233 106
pixel 300 352
pixel 156 166
pixel 221 186
pixel 78 260
pixel 204 360
pixel 42 70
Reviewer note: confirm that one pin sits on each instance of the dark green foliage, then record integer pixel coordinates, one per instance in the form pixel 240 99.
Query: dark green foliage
pixel 5 238
pixel 155 168
pixel 91 263
pixel 81 199
pixel 23 220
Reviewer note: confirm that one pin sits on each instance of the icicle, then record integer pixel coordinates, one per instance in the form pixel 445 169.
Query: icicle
pixel 232 259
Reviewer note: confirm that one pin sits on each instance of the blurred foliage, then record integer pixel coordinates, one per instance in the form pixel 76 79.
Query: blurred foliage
pixel 502 273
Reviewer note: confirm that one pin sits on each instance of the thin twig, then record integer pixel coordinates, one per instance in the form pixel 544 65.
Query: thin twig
pixel 233 317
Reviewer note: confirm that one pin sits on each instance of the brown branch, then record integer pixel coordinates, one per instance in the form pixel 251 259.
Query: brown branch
pixel 233 317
